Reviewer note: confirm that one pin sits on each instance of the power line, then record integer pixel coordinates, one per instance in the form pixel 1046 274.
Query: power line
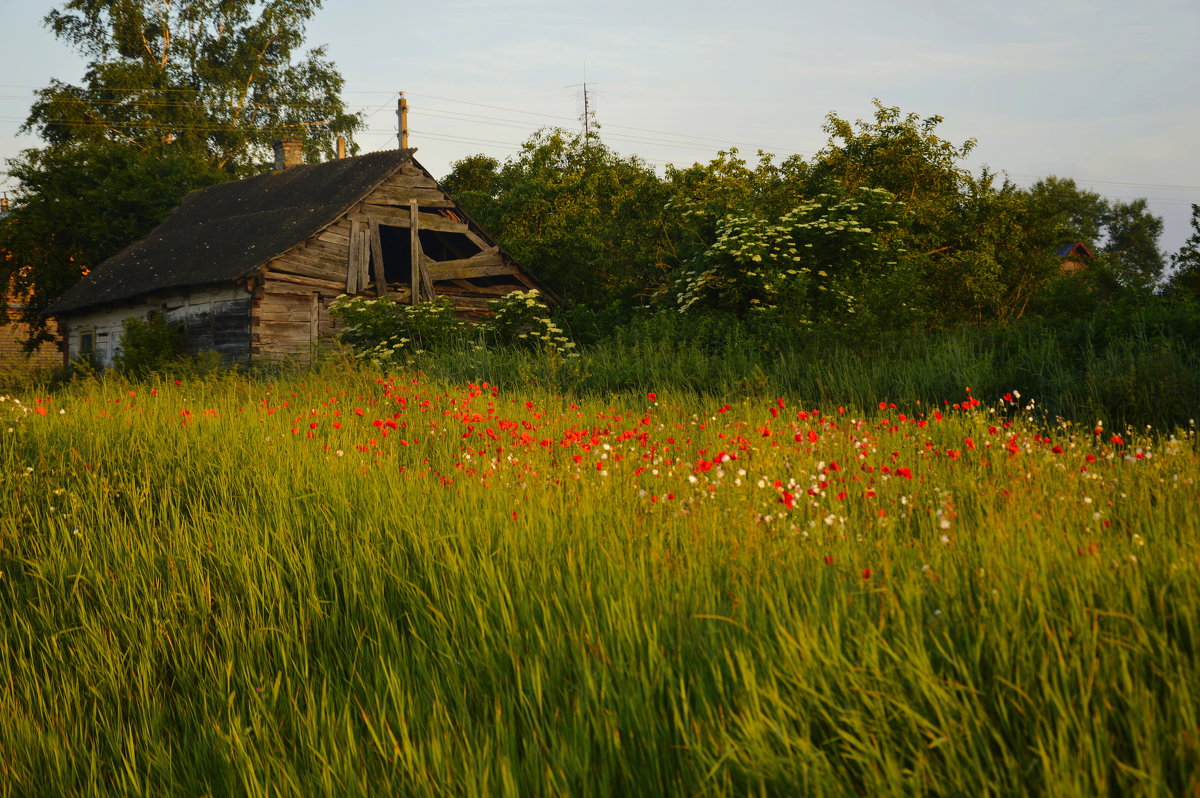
pixel 1114 183
pixel 157 90
pixel 673 139
pixel 200 102
pixel 603 126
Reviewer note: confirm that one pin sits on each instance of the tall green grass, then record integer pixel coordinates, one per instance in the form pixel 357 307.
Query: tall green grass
pixel 1146 374
pixel 197 597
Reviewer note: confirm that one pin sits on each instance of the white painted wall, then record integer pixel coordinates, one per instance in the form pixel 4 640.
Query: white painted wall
pixel 107 325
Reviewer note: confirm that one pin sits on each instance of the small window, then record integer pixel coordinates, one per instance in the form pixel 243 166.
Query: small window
pixel 87 343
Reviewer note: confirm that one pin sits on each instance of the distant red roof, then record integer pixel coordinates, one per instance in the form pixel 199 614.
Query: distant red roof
pixel 1078 249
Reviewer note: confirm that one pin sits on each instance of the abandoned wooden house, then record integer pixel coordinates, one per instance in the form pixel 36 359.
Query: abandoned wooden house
pixel 249 268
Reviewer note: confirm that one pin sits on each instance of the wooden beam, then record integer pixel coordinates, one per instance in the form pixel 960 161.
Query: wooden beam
pixel 486 264
pixel 334 237
pixel 398 217
pixel 352 269
pixel 314 327
pixel 477 240
pixel 364 257
pixel 426 280
pixel 414 250
pixel 278 282
pixel 425 197
pixel 298 264
pixel 377 258
pixel 525 281
pixel 400 294
pixel 407 180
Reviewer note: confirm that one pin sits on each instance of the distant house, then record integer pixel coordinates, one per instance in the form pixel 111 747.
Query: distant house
pixel 1075 257
pixel 13 357
pixel 13 334
pixel 248 268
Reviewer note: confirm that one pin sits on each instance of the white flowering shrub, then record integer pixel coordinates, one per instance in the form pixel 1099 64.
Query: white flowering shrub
pixel 522 318
pixel 382 330
pixel 808 265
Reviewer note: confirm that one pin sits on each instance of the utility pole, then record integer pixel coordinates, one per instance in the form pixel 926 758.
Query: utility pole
pixel 402 117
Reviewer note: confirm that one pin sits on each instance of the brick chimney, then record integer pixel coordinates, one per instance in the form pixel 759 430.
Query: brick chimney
pixel 289 151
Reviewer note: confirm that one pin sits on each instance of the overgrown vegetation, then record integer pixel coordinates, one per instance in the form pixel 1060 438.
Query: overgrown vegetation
pixel 883 231
pixel 149 346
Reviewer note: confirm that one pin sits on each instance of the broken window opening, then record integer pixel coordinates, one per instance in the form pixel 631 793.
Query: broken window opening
pixel 437 246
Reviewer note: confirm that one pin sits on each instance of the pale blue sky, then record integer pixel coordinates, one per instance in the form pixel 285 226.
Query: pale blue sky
pixel 1103 91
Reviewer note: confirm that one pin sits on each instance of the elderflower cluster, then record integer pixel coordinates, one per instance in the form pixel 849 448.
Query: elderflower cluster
pixel 521 317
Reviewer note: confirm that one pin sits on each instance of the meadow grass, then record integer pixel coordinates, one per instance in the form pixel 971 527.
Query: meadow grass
pixel 346 584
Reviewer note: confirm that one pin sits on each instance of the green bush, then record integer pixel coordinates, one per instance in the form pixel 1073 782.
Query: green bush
pixel 382 330
pixel 149 345
pixel 523 319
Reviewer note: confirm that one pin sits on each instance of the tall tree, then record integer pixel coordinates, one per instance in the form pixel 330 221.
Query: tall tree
pixel 218 78
pixel 177 95
pixel 1185 264
pixel 1076 213
pixel 1131 249
pixel 584 217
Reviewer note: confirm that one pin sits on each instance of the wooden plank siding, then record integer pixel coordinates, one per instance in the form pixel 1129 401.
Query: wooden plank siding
pixel 283 327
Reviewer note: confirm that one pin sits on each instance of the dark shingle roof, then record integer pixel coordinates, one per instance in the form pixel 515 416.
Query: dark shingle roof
pixel 227 231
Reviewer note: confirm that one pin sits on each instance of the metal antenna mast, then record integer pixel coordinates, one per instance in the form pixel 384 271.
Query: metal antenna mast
pixel 587 106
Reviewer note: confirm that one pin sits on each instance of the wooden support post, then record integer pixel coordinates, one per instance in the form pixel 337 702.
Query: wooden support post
pixel 352 265
pixel 427 279
pixel 414 228
pixel 377 258
pixel 314 320
pixel 364 258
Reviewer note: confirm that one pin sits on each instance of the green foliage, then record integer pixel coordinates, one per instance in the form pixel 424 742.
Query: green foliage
pixel 703 195
pixel 77 204
pixel 521 318
pixel 1123 235
pixel 149 346
pixel 585 219
pixel 216 80
pixel 1131 250
pixel 820 263
pixel 898 152
pixel 384 331
pixel 1185 264
pixel 954 247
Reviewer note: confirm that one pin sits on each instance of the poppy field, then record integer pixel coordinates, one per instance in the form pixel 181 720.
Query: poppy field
pixel 349 583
